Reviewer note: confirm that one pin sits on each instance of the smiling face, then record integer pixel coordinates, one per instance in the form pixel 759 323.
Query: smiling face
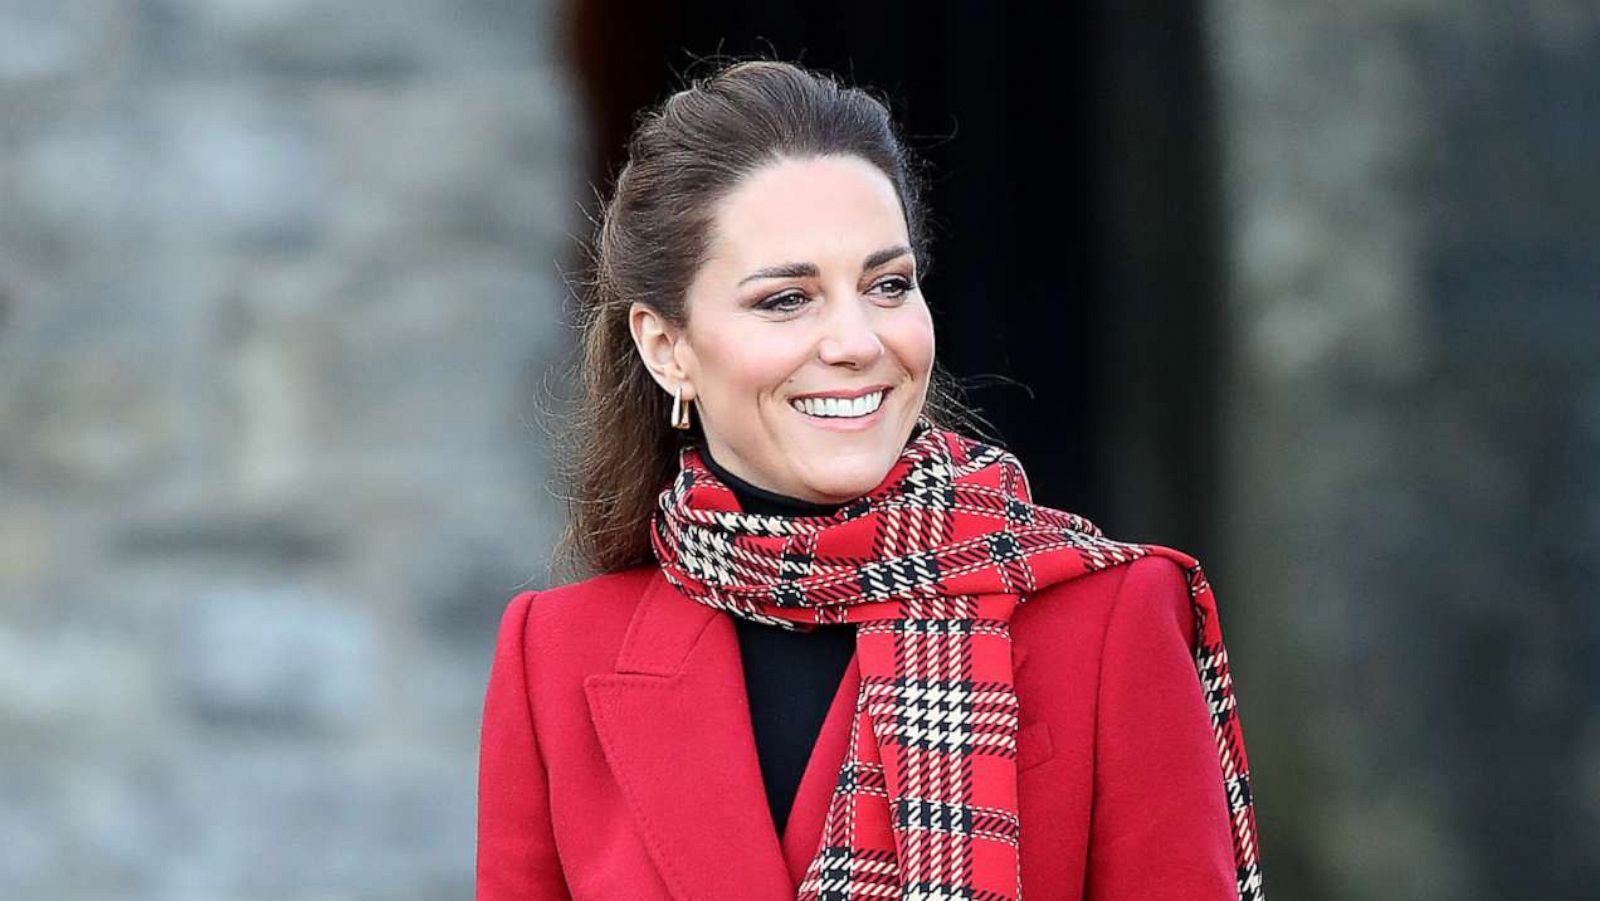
pixel 808 346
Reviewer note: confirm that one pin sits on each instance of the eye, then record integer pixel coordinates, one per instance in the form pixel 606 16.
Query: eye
pixel 894 286
pixel 786 302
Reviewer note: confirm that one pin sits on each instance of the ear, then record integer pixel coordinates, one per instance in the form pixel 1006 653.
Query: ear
pixel 657 342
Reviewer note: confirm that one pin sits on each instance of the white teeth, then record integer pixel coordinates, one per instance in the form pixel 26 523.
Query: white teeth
pixel 837 406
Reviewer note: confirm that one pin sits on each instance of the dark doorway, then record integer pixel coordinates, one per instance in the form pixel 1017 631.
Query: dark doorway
pixel 1074 250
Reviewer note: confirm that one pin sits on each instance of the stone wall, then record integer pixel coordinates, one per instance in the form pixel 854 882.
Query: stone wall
pixel 276 299
pixel 1415 439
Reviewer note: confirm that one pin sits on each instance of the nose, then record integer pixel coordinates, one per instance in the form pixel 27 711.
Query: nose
pixel 851 335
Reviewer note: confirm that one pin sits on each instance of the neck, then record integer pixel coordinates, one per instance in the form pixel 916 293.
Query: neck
pixel 755 499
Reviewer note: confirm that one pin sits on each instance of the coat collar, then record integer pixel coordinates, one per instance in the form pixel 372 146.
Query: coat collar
pixel 673 720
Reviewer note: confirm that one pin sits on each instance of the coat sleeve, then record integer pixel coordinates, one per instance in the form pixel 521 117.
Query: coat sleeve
pixel 1159 825
pixel 516 842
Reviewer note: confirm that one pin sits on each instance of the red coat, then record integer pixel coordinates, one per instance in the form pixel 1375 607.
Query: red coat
pixel 618 762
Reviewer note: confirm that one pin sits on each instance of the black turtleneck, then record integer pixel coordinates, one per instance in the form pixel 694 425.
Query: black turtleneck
pixel 791 677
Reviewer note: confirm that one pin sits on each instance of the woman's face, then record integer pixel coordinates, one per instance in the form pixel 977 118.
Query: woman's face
pixel 808 346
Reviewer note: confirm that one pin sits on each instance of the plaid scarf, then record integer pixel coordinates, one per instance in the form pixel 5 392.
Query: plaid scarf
pixel 930 565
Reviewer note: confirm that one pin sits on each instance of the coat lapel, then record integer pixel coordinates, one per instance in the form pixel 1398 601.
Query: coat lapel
pixel 674 723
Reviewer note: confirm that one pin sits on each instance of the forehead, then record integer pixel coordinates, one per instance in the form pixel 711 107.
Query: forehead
pixel 801 210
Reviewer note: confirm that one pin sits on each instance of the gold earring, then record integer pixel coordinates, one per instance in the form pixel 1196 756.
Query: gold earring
pixel 680 409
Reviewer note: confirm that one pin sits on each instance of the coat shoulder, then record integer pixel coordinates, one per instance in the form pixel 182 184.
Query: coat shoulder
pixel 595 596
pixel 583 622
pixel 1080 610
pixel 1076 608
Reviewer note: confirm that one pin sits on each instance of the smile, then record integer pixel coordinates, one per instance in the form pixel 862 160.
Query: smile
pixel 839 407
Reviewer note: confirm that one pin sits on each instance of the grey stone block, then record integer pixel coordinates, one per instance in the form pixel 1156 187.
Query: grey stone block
pixel 275 657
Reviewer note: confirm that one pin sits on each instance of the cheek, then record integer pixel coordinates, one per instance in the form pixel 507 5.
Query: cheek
pixel 910 339
pixel 746 361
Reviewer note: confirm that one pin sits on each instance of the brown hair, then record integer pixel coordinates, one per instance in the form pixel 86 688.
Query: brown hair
pixel 683 157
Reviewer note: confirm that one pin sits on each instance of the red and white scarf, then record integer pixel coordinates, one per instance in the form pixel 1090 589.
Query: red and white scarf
pixel 930 564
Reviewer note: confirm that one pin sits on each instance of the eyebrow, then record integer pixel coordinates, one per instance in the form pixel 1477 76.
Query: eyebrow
pixel 809 270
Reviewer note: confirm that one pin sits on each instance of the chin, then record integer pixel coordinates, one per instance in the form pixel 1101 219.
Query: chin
pixel 834 467
pixel 849 479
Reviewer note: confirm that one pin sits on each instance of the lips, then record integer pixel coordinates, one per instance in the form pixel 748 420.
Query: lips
pixel 846 393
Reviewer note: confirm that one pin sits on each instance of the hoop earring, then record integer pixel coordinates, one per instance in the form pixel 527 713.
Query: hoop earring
pixel 680 409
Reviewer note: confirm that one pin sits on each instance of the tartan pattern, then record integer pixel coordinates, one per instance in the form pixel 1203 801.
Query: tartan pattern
pixel 930 566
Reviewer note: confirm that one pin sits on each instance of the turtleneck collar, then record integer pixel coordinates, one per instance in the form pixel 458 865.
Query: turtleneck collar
pixel 754 499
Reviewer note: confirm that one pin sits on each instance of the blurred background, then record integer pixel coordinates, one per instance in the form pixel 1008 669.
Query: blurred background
pixel 1309 290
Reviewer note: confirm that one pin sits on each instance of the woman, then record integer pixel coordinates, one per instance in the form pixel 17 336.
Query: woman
pixel 834 651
